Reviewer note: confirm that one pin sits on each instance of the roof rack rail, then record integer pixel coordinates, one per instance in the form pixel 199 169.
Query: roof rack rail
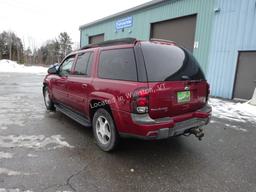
pixel 163 40
pixel 86 47
pixel 111 42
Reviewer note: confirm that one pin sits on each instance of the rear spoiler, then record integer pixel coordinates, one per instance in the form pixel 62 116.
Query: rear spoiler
pixel 163 41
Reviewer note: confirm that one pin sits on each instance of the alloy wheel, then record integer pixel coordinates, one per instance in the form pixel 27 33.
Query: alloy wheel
pixel 103 130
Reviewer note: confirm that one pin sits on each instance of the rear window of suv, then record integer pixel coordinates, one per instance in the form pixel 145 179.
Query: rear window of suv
pixel 118 64
pixel 170 63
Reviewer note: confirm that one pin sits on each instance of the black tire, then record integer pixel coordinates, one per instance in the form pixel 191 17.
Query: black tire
pixel 48 102
pixel 112 141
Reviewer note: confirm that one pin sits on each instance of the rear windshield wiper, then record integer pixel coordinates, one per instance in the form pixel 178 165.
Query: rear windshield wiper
pixel 196 81
pixel 185 77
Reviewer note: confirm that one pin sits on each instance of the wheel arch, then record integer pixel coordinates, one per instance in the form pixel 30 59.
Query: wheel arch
pixel 96 104
pixel 47 84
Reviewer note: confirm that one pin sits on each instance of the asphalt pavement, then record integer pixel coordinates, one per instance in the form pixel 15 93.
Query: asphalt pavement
pixel 44 151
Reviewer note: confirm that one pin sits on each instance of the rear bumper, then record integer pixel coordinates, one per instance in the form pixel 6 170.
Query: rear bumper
pixel 180 128
pixel 144 127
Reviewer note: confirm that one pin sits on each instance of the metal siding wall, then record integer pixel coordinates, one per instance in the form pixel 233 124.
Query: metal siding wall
pixel 169 10
pixel 234 30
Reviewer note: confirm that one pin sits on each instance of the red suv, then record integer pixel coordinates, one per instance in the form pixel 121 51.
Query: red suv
pixel 129 88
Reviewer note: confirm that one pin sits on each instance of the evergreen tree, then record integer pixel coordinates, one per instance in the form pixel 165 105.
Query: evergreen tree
pixel 65 44
pixel 11 46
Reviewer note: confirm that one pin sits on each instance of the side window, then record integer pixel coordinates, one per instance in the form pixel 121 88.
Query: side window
pixel 65 68
pixel 118 64
pixel 83 64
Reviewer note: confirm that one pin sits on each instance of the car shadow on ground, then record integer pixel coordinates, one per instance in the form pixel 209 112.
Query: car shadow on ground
pixel 129 146
pixel 134 161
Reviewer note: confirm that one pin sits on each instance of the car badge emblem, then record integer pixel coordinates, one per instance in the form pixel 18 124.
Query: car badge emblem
pixel 186 88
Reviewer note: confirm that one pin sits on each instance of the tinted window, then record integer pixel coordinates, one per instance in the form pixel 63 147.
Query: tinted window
pixel 170 63
pixel 82 64
pixel 118 64
pixel 65 68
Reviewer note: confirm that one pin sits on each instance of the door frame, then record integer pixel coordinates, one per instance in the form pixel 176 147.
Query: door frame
pixel 59 77
pixel 236 70
pixel 179 17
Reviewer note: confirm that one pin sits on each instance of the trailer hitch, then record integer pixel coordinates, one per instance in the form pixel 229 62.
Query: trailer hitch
pixel 198 132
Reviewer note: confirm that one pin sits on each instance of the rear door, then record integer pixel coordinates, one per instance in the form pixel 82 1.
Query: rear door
pixel 80 82
pixel 59 86
pixel 176 82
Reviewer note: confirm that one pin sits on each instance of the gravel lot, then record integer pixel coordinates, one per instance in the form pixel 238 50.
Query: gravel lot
pixel 43 151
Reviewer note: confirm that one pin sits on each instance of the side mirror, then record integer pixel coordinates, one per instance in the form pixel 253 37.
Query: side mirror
pixel 52 70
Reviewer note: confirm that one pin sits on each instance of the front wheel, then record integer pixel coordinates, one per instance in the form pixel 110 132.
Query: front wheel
pixel 104 130
pixel 47 100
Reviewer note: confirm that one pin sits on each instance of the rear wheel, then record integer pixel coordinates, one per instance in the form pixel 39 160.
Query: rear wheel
pixel 104 130
pixel 47 100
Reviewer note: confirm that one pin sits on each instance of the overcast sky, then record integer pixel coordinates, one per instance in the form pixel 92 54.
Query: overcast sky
pixel 36 21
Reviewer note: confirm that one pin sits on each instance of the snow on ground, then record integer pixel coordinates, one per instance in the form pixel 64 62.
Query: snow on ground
pixel 4 155
pixel 33 141
pixel 13 190
pixel 4 171
pixel 14 67
pixel 239 112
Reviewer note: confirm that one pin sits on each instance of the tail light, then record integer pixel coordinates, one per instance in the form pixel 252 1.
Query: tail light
pixel 139 102
pixel 207 91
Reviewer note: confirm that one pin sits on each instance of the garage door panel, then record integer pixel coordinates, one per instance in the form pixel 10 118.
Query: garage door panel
pixel 246 75
pixel 181 30
pixel 96 39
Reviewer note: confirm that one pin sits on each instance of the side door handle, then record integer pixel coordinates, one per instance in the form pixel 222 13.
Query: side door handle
pixel 84 85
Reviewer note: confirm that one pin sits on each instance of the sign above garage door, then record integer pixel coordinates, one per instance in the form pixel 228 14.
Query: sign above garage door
pixel 124 23
pixel 181 30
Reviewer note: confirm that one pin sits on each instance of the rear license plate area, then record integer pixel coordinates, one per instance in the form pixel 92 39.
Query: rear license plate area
pixel 183 96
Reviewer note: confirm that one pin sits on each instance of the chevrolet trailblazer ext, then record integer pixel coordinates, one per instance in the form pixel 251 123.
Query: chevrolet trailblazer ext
pixel 129 88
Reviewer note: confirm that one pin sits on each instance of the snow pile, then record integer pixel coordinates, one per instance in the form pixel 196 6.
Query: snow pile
pixel 13 66
pixel 239 112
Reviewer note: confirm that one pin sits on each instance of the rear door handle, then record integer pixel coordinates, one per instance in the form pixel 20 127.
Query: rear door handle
pixel 84 85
